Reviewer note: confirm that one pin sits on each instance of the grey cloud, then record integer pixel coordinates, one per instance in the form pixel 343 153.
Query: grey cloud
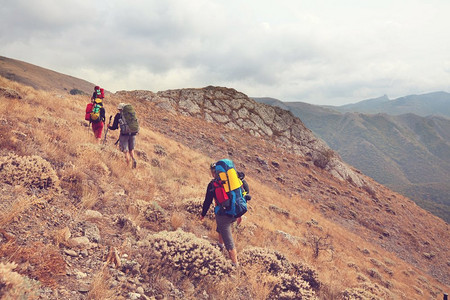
pixel 291 50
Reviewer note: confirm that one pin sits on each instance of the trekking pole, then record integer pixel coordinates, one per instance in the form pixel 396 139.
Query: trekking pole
pixel 107 128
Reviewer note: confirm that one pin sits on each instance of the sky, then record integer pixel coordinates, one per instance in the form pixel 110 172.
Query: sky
pixel 326 52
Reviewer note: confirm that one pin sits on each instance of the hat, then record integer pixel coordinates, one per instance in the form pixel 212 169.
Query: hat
pixel 121 105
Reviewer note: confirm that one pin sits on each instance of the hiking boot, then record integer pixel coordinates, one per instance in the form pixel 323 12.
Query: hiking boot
pixel 134 163
pixel 221 246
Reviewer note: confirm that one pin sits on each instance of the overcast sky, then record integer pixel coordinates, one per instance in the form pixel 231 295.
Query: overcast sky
pixel 316 51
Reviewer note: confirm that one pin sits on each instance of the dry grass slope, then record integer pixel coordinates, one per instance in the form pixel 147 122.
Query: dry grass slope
pixel 84 226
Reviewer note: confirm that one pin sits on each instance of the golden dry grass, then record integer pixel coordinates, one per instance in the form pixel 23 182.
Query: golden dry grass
pixel 93 175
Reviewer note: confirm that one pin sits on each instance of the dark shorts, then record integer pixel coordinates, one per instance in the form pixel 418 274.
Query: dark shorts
pixel 224 228
pixel 97 128
pixel 127 142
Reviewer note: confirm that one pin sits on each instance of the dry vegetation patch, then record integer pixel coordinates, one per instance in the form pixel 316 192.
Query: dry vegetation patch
pixel 182 251
pixel 37 261
pixel 290 280
pixel 30 171
pixel 15 286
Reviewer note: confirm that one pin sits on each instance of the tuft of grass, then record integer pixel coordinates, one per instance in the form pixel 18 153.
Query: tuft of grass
pixel 100 288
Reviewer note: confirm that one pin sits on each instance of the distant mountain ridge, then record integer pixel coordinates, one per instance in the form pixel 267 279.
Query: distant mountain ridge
pixel 437 103
pixel 408 153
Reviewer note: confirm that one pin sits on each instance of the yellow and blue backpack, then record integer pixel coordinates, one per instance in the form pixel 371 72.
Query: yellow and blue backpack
pixel 228 190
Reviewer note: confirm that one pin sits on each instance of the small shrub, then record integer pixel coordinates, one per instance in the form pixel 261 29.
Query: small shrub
pixel 278 210
pixel 30 171
pixel 375 262
pixel 15 286
pixel 76 92
pixel 318 240
pixel 101 286
pixel 366 291
pixel 374 273
pixel 177 220
pixel 291 287
pixel 45 262
pixel 160 150
pixel 194 206
pixel 156 215
pixel 182 251
pixel 429 255
pixel 292 280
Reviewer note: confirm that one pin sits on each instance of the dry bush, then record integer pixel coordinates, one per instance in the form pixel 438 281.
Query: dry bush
pixel 278 210
pixel 9 139
pixel 184 252
pixel 177 220
pixel 194 206
pixel 292 280
pixel 29 171
pixel 157 217
pixel 10 208
pixel 318 240
pixel 90 196
pixel 72 181
pixel 37 261
pixel 15 286
pixel 366 292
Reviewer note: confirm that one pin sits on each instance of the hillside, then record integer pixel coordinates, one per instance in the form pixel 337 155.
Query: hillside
pixel 109 232
pixel 408 153
pixel 41 78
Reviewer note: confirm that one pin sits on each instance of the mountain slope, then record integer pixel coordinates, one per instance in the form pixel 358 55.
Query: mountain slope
pixel 372 242
pixel 41 78
pixel 407 153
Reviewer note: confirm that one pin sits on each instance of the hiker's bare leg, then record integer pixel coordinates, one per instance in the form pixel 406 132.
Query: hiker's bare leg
pixel 127 157
pixel 233 256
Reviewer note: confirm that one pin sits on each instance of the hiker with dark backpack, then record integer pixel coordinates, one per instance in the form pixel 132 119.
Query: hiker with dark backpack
pixel 128 123
pixel 230 204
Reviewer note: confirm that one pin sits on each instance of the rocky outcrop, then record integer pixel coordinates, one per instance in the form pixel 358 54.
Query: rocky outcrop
pixel 235 110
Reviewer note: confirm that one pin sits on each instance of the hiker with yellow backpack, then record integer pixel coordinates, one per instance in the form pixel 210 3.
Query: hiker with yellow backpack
pixel 230 195
pixel 95 113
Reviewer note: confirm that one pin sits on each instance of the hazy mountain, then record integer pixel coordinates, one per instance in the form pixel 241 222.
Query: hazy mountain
pixel 437 103
pixel 408 153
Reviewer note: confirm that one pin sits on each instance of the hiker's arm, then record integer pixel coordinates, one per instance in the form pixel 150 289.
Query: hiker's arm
pixel 115 124
pixel 208 199
pixel 245 186
pixel 102 114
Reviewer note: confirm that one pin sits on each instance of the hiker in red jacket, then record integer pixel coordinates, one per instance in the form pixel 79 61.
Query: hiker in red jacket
pixel 97 125
pixel 223 221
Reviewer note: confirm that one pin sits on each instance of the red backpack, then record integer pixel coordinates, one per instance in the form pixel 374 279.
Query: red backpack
pixel 99 92
pixel 89 107
pixel 221 195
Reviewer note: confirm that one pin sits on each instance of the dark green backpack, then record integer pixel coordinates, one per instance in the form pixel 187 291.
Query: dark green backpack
pixel 129 124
